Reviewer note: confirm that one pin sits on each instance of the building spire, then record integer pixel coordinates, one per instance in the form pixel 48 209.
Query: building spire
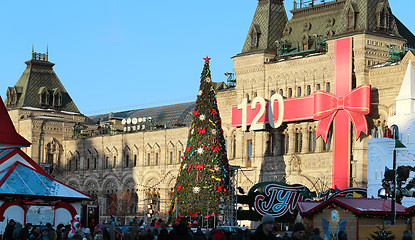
pixel 47 52
pixel 266 27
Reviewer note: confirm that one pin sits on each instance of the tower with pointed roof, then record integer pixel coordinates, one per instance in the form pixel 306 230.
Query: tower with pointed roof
pixel 267 27
pixel 42 110
pixel 39 87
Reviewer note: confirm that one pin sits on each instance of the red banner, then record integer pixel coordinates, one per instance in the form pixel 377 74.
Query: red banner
pixel 339 108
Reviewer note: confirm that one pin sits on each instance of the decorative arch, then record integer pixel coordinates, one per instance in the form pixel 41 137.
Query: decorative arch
pixel 295 164
pixel 53 152
pixel 6 205
pixel 74 183
pixel 68 207
pixel 151 177
pixel 129 198
pixel 110 189
pixel 91 188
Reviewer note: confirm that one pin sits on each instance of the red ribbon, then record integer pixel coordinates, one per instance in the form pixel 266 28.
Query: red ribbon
pixel 215 149
pixel 188 148
pixel 220 188
pixel 213 112
pixel 201 130
pixel 198 166
pixel 193 214
pixel 356 103
pixel 179 187
pixel 195 112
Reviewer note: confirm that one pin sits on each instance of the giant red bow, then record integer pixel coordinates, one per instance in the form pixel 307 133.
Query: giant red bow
pixel 356 103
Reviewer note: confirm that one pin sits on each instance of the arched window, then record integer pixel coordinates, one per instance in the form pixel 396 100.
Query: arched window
pixel 327 144
pixel 290 93
pixel 95 162
pixel 395 132
pixel 312 140
pixel 234 147
pixel 271 143
pixel 328 87
pixel 298 140
pixel 57 98
pixel 249 151
pixel 127 160
pixel 285 143
pixel 299 92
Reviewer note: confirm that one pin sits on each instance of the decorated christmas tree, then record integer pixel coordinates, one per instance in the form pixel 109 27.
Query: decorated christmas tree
pixel 202 182
pixel 382 234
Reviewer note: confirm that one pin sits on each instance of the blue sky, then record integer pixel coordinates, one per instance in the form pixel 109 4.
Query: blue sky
pixel 117 55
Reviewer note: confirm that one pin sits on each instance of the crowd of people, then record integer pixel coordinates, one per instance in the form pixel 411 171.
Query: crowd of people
pixel 156 230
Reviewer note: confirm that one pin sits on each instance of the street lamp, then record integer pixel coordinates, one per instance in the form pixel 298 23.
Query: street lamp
pixel 398 144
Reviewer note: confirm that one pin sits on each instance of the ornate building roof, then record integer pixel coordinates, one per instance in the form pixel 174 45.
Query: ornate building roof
pixel 39 87
pixel 331 19
pixel 171 116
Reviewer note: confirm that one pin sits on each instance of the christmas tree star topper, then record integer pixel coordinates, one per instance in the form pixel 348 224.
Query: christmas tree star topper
pixel 207 59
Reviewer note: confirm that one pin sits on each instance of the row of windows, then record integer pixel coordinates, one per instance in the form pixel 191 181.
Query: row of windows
pixel 284 144
pixel 299 92
pixel 298 142
pixel 92 163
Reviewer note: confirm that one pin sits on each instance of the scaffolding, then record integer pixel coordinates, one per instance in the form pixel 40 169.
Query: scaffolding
pixel 231 216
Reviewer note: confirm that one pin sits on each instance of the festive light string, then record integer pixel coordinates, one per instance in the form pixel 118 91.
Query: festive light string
pixel 247 177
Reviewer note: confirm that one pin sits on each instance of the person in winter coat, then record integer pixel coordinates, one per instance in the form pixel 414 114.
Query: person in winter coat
pixel 45 234
pixel 199 235
pixel 182 233
pixel 35 234
pixel 98 235
pixel 8 232
pixel 16 232
pixel 59 231
pixel 298 231
pixel 316 235
pixel 238 235
pixel 164 234
pixel 128 235
pixel 52 233
pixel 25 232
pixel 407 235
pixel 264 231
pixel 219 234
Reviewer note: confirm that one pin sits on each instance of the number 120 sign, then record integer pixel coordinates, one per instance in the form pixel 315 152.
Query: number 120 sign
pixel 274 112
